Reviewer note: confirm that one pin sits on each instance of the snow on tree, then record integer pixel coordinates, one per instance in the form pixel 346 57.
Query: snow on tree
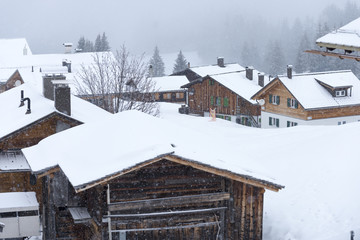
pixel 118 83
pixel 158 66
pixel 180 63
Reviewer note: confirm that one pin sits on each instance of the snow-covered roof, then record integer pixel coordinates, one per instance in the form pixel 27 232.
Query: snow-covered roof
pixel 14 47
pixel 14 117
pixel 238 83
pixel 345 37
pixel 13 161
pixel 18 201
pixel 143 137
pixel 216 69
pixel 311 95
pixel 169 83
pixel 52 63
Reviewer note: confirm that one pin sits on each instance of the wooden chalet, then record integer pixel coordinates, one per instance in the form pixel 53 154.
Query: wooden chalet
pixel 168 89
pixel 165 197
pixel 343 43
pixel 14 80
pixel 229 94
pixel 327 98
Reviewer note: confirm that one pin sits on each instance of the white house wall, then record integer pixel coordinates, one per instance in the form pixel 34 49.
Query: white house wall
pixel 283 120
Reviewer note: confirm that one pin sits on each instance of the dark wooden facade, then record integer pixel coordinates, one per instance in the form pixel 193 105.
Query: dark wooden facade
pixel 36 131
pixel 208 93
pixel 166 198
pixel 12 81
pixel 170 96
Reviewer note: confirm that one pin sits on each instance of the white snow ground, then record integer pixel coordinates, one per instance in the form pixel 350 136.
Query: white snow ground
pixel 319 165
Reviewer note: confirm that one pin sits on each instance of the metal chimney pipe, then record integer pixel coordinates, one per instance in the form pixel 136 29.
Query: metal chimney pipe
pixel 28 111
pixel 22 98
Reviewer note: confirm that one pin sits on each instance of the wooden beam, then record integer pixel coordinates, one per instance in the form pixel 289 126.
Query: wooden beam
pixel 49 172
pixel 155 214
pixel 168 228
pixel 168 202
pixel 331 54
pixel 223 173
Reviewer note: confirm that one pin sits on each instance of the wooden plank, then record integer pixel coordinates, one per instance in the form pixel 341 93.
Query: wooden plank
pixel 139 215
pixel 167 202
pixel 224 173
pixel 332 54
pixel 168 228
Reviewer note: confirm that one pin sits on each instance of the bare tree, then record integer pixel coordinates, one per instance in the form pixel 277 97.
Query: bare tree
pixel 118 83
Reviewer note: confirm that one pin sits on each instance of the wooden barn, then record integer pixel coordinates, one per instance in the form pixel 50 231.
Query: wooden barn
pixel 168 197
pixel 139 187
pixel 229 94
pixel 11 81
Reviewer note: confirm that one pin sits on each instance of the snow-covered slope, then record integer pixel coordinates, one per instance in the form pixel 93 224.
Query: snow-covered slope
pixel 319 166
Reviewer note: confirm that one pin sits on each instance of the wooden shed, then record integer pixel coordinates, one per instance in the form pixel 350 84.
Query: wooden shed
pixel 168 197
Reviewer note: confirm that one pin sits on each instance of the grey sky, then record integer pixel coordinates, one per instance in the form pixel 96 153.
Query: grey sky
pixel 140 24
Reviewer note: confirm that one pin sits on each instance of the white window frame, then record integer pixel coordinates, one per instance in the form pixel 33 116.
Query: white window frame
pixel 292 102
pixel 274 99
pixel 340 93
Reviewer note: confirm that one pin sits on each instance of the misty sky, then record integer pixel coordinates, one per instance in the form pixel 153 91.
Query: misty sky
pixel 140 24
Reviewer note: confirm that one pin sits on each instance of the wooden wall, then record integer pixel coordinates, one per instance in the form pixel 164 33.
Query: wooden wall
pixel 300 112
pixel 34 133
pixel 237 217
pixel 200 100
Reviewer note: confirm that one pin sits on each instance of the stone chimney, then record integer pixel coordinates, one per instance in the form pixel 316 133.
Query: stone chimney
pixel 261 79
pixel 289 71
pixel 63 98
pixel 55 87
pixel 220 62
pixel 249 72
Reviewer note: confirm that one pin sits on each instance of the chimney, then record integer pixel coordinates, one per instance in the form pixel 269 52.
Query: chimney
pixel 188 64
pixel 28 111
pixel 261 78
pixel 220 62
pixel 48 86
pixel 67 63
pixel 22 98
pixel 25 51
pixel 62 98
pixel 68 47
pixel 289 71
pixel 249 72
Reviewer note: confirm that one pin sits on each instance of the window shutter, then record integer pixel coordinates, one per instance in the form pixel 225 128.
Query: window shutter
pixel 288 102
pixel 212 100
pixel 270 98
pixel 270 121
pixel 296 104
pixel 277 122
pixel 226 102
pixel 277 100
pixel 288 123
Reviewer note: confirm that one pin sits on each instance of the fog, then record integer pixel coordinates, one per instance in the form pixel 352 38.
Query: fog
pixel 142 24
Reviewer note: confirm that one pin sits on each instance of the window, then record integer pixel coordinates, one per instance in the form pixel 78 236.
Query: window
pixel 218 101
pixel 274 99
pixel 292 103
pixel 340 93
pixel 178 95
pixel 291 124
pixel 168 96
pixel 226 102
pixel 211 82
pixel 211 100
pixel 274 121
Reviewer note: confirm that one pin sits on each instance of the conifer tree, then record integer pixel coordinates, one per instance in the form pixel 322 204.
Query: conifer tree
pixel 180 63
pixel 303 59
pixel 158 66
pixel 97 45
pixel 81 43
pixel 274 59
pixel 104 43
